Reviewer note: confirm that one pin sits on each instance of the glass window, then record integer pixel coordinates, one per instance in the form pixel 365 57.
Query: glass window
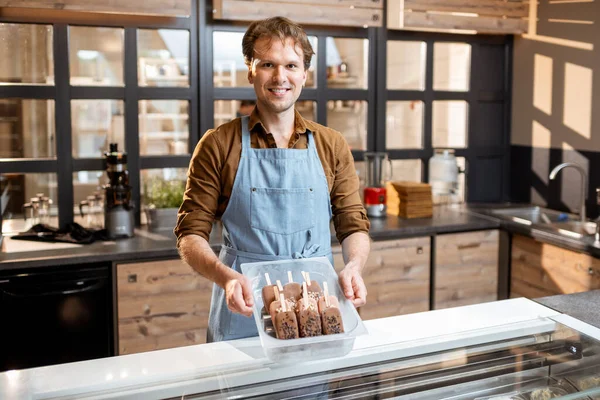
pixel 404 125
pixel 407 170
pixel 451 66
pixel 347 63
pixel 406 65
pixel 226 110
pixel 163 57
pixel 27 54
pixel 164 127
pixel 307 108
pixel 95 124
pixel 350 118
pixel 20 201
pixel 229 67
pixel 450 123
pixel 96 56
pixel 27 128
pixel 88 197
pixel 155 187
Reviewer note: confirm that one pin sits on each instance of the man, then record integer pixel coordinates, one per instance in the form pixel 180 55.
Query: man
pixel 275 180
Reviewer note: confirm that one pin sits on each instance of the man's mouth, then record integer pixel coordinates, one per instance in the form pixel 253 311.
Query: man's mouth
pixel 279 91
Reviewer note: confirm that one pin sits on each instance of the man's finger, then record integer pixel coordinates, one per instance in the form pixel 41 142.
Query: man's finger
pixel 346 284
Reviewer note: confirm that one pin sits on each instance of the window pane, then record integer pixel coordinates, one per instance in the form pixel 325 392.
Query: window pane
pixel 406 65
pixel 229 67
pixel 18 204
pixel 307 108
pixel 350 118
pixel 407 170
pixel 347 63
pixel 27 128
pixel 95 124
pixel 96 56
pixel 88 197
pixel 164 57
pixel 451 66
pixel 164 127
pixel 27 54
pixel 404 125
pixel 226 110
pixel 450 121
pixel 162 188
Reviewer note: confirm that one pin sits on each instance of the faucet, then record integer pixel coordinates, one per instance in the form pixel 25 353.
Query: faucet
pixel 584 184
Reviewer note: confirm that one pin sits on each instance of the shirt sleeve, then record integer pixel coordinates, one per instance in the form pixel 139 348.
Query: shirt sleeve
pixel 349 215
pixel 200 200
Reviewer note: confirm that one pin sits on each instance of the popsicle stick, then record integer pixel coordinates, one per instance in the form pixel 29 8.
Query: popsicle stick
pixel 305 293
pixel 279 286
pixel 326 292
pixel 290 279
pixel 276 291
pixel 267 278
pixel 303 274
pixel 283 305
pixel 308 278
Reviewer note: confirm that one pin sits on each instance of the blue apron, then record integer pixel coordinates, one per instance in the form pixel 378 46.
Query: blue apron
pixel 279 209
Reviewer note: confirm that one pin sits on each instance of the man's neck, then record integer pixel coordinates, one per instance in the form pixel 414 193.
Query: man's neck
pixel 280 125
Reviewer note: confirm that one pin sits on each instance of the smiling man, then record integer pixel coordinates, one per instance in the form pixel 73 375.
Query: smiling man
pixel 275 180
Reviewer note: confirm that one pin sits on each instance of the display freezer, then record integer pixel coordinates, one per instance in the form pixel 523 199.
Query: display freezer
pixel 511 349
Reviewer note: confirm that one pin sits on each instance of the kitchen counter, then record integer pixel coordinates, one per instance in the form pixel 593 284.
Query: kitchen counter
pixel 583 306
pixel 148 245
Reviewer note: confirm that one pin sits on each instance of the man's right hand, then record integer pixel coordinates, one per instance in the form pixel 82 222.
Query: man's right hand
pixel 238 293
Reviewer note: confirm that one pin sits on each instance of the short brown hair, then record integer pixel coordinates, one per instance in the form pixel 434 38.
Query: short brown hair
pixel 277 27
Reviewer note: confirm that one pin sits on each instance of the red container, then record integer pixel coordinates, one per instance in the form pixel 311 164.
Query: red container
pixel 374 195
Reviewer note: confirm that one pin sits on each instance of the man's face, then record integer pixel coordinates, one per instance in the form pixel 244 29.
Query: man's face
pixel 277 73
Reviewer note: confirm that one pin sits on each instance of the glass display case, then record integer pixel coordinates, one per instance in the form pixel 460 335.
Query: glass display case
pixel 511 349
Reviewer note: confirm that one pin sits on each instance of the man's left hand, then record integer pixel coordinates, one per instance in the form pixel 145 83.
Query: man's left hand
pixel 353 285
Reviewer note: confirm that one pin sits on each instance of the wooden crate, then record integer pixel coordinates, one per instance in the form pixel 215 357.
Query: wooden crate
pixel 483 16
pixel 324 12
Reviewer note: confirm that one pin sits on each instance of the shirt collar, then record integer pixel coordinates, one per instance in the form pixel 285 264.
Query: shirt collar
pixel 255 124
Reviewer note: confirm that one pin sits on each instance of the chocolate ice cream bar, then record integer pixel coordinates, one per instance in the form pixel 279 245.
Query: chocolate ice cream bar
pixel 268 295
pixel 333 302
pixel 332 321
pixel 292 290
pixel 309 321
pixel 285 322
pixel 313 286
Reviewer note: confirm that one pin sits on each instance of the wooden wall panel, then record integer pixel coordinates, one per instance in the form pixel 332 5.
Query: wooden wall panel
pixel 396 276
pixel 466 268
pixel 165 8
pixel 541 269
pixel 328 12
pixel 484 16
pixel 161 304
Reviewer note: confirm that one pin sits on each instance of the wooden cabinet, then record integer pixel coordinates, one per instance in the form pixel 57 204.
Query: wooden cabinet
pixel 396 276
pixel 171 8
pixel 161 304
pixel 466 268
pixel 541 269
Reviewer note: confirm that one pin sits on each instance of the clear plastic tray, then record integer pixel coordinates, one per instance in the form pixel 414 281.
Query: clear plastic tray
pixel 310 348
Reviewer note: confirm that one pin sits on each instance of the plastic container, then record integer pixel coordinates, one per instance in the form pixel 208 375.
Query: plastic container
pixel 310 348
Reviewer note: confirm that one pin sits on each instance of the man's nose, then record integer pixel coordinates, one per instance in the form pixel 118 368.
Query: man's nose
pixel 279 74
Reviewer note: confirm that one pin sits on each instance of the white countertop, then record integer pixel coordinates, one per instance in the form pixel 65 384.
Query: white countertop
pixel 193 369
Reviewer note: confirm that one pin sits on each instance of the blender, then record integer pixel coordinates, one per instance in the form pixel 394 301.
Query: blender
pixel 375 191
pixel 118 207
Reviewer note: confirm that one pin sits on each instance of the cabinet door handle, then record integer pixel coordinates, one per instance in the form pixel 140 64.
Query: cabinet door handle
pixel 468 246
pixel 419 250
pixel 132 278
pixel 591 271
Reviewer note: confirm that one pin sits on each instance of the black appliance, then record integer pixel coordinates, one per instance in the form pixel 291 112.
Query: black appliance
pixel 55 316
pixel 118 207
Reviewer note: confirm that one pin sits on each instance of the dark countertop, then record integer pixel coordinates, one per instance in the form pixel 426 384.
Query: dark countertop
pixel 147 245
pixel 582 306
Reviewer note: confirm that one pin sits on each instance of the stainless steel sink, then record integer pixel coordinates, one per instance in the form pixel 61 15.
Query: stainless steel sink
pixel 549 220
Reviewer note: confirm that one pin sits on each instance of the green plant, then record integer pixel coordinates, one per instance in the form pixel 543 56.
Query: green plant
pixel 159 193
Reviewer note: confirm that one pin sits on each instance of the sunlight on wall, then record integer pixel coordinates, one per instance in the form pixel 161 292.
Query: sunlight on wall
pixel 577 112
pixel 542 83
pixel 541 151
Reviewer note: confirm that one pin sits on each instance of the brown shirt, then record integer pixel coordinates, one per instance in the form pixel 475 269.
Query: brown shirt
pixel 214 164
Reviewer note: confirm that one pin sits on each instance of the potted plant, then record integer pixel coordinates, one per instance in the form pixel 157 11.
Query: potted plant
pixel 162 199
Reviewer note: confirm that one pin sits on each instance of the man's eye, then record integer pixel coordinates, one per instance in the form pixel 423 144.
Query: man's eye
pixel 292 66
pixel 267 65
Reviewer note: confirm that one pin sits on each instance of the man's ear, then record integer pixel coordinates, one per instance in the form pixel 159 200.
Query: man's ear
pixel 250 77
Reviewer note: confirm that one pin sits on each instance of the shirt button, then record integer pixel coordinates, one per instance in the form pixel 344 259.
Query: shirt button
pixel 254 189
pixel 311 189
